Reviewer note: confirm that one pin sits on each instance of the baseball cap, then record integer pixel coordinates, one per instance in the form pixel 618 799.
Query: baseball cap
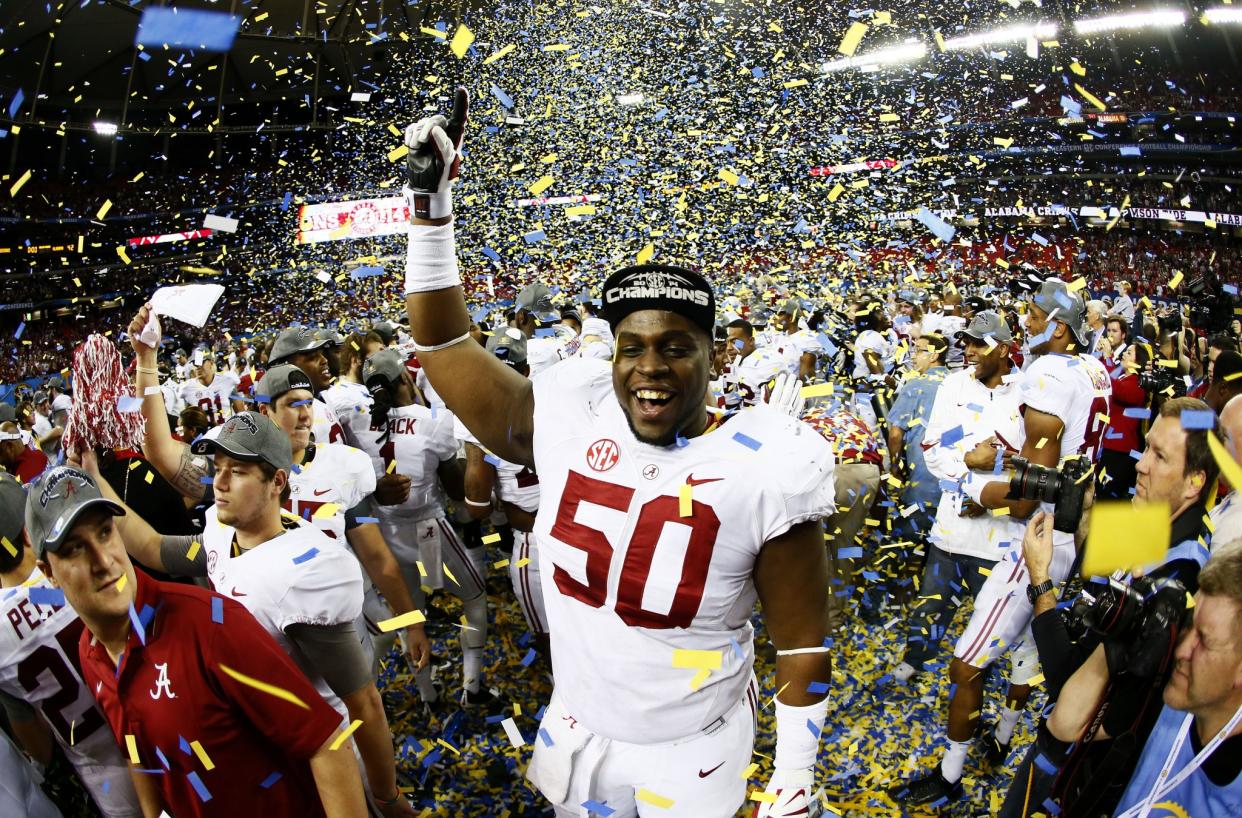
pixel 537 299
pixel 986 324
pixel 976 303
pixel 508 345
pixel 792 307
pixel 293 340
pixel 385 330
pixel 12 509
pixel 1055 298
pixel 55 382
pixel 1227 367
pixel 331 337
pixel 571 313
pixel 280 379
pixel 54 503
pixel 7 412
pixel 252 437
pixel 40 397
pixel 385 363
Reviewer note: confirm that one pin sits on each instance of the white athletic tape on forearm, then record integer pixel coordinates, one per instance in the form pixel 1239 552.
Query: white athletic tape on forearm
pixel 797 734
pixel 431 259
pixel 800 651
pixel 437 347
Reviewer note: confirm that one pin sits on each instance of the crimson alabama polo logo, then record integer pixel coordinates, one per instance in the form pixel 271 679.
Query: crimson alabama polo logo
pixel 603 454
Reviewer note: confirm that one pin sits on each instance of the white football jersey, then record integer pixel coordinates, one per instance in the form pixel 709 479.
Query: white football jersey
pixel 1076 389
pixel 39 665
pixel 299 577
pixel 351 403
pixel 872 341
pixel 414 442
pixel 514 483
pixel 171 390
pixel 338 475
pixel 629 581
pixel 325 428
pixel 215 399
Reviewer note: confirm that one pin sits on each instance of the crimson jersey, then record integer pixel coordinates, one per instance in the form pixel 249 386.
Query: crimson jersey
pixel 215 398
pixel 629 580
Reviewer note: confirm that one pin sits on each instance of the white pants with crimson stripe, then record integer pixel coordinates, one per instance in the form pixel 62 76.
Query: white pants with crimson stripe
pixel 435 545
pixel 1002 614
pixel 699 776
pixel 524 574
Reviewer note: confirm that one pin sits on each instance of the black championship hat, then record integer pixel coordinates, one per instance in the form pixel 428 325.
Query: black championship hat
pixel 659 287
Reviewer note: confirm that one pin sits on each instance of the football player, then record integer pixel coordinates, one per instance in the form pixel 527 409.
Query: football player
pixel 656 531
pixel 213 392
pixel 306 348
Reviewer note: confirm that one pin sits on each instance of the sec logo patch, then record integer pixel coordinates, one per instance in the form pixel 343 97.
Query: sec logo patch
pixel 603 454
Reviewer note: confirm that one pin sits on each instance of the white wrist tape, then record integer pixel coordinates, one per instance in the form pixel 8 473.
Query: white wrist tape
pixel 797 734
pixel 428 205
pixel 431 259
pixel 973 485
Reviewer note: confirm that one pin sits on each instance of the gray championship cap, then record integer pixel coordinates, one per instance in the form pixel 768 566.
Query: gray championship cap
pixel 1055 298
pixel 509 345
pixel 987 324
pixel 385 363
pixel 537 300
pixel 40 397
pixel 293 340
pixel 331 337
pixel 8 412
pixel 252 437
pixel 54 503
pixel 386 331
pixel 12 511
pixel 280 379
pixel 792 308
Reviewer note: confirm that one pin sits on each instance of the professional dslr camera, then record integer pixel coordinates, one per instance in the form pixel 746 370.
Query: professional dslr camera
pixel 1211 308
pixel 1141 620
pixel 1160 379
pixel 1066 488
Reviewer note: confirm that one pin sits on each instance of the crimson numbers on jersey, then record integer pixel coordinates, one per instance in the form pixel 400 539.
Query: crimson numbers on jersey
pixel 48 663
pixel 639 553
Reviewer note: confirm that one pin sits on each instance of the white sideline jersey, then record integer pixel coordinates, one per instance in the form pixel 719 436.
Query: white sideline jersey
pixel 414 441
pixel 515 483
pixel 325 428
pixel 351 403
pixel 1076 389
pixel 39 665
pixel 628 581
pixel 338 475
pixel 215 398
pixel 299 577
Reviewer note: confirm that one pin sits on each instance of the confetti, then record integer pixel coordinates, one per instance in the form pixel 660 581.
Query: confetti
pixel 264 687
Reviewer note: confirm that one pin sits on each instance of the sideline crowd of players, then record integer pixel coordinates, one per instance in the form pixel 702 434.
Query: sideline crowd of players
pixel 661 455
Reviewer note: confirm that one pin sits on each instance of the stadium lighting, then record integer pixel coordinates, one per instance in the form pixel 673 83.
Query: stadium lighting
pixel 1008 34
pixel 105 128
pixel 1222 15
pixel 907 52
pixel 1157 18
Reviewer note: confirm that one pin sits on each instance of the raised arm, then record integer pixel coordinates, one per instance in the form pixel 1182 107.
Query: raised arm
pixel 171 458
pixel 141 540
pixel 496 403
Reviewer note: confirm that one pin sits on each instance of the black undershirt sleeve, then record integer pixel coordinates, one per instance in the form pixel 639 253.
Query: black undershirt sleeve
pixel 335 652
pixel 174 553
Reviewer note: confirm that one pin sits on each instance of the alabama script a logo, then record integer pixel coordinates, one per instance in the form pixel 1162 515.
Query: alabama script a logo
pixel 163 686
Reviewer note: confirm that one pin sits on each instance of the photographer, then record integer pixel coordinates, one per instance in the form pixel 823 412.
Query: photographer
pixel 1116 474
pixel 1178 470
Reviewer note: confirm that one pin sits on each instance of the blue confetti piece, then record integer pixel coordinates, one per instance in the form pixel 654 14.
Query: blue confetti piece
pixel 952 436
pixel 299 403
pixel 1130 150
pixel 163 758
pixel 1042 762
pixel 942 229
pixel 184 745
pixel 199 787
pixel 307 557
pixel 598 807
pixel 1230 288
pixel 217 610
pixel 41 595
pixel 137 623
pixel 543 734
pixel 1139 412
pixel 1193 419
pixel 20 329
pixel 16 102
pixel 368 271
pixel 1136 454
pixel 534 237
pixel 814 728
pixel 815 688
pixel 206 481
pixel 270 780
pixel 748 442
pixel 529 658
pixel 284 203
pixel 365 520
pixel 737 649
pixel 193 28
pixel 502 97
pixel 850 553
pixel 490 253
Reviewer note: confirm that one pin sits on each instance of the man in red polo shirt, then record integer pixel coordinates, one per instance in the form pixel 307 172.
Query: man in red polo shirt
pixel 16 457
pixel 214 716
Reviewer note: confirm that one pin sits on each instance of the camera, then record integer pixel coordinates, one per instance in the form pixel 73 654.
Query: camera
pixel 1065 488
pixel 1211 308
pixel 1160 380
pixel 1139 616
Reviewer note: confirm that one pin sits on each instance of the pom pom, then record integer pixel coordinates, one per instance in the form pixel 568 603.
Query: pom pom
pixel 100 387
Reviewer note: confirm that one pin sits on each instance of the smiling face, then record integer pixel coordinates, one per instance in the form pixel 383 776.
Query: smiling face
pixel 315 364
pixel 986 360
pixel 89 566
pixel 660 375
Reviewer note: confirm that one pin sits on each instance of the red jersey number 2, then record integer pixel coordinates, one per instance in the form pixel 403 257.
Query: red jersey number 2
pixel 636 569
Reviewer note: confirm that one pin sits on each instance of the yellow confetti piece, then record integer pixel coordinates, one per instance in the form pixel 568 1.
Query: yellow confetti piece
pixel 462 38
pixel 8 546
pixel 500 564
pixel 836 192
pixel 25 177
pixel 580 210
pixel 890 117
pixel 120 583
pixel 488 539
pixel 1003 142
pixel 405 620
pixel 1175 280
pixel 264 687
pixel 685 500
pixel 1089 97
pixel 699 678
pixel 1076 285
pixel 556 47
pixel 149 477
pixel 1037 679
pixel 1125 535
pixel 696 659
pixel 649 797
pixel 1078 69
pixel 541 184
pixel 103 210
pixel 762 796
pixel 852 39
pixel 131 744
pixel 817 390
pixel 397 153
pixel 645 254
pixel 433 32
pixel 728 176
pixel 449 574
pixel 749 771
pixel 422 570
pixel 326 511
pixel 345 734
pixel 522 563
pixel 502 52
pixel 193 552
pixel 202 756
